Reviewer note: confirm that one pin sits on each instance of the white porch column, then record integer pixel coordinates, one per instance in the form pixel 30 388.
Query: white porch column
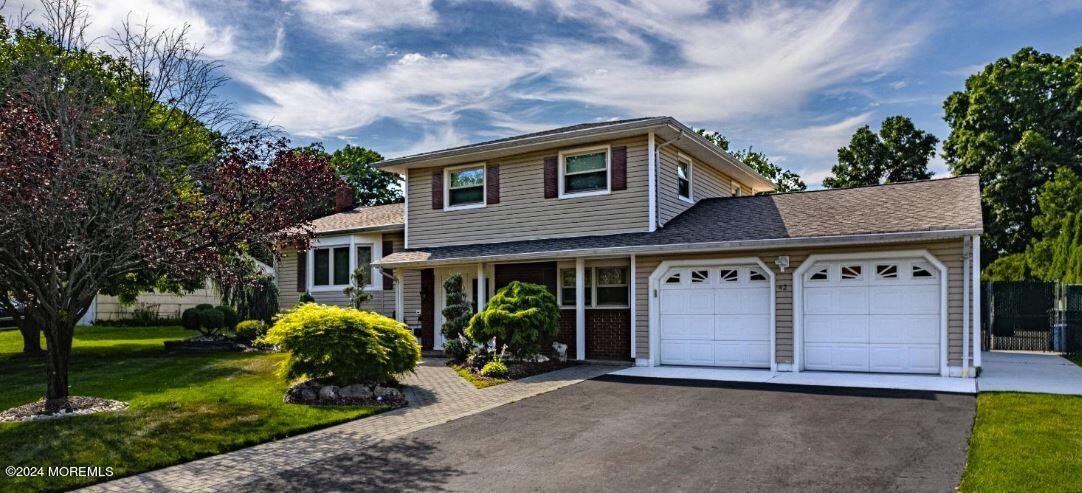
pixel 580 308
pixel 399 299
pixel 977 300
pixel 482 290
pixel 632 305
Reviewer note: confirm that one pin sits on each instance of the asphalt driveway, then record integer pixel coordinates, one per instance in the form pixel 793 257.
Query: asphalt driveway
pixel 617 434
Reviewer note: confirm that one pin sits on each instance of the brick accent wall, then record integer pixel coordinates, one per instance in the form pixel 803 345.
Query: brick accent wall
pixel 567 331
pixel 608 334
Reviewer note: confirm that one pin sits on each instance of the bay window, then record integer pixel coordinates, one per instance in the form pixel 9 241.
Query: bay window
pixel 332 262
pixel 330 266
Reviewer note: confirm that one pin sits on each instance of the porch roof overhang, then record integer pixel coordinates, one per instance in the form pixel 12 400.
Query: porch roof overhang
pixel 620 245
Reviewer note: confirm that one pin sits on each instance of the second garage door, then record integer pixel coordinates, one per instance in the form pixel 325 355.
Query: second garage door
pixel 715 316
pixel 872 316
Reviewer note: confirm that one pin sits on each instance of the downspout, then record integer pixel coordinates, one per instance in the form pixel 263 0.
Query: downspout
pixel 657 159
pixel 967 252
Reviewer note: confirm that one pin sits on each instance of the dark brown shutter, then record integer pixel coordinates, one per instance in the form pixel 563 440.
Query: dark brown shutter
pixel 302 272
pixel 552 189
pixel 492 183
pixel 619 168
pixel 437 189
pixel 388 274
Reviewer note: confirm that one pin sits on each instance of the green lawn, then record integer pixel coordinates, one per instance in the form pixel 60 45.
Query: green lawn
pixel 182 406
pixel 1025 442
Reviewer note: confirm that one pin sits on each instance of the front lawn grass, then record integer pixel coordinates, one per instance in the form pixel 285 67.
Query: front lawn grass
pixel 182 407
pixel 1025 442
pixel 1076 360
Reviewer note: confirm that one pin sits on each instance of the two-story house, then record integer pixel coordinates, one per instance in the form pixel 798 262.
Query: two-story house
pixel 660 251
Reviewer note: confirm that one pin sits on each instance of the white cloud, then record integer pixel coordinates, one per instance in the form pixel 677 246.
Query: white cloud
pixel 821 140
pixel 344 18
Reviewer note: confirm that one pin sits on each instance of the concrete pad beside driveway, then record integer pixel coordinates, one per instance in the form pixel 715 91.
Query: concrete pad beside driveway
pixel 1029 372
pixel 626 434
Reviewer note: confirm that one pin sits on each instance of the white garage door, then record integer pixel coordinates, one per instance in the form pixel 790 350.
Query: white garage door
pixel 872 316
pixel 715 316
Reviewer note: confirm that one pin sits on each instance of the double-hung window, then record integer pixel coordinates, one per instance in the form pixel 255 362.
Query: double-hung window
pixel 465 186
pixel 584 171
pixel 605 287
pixel 364 264
pixel 330 266
pixel 683 178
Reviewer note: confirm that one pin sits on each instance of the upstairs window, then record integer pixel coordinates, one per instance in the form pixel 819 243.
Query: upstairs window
pixel 465 186
pixel 585 171
pixel 683 178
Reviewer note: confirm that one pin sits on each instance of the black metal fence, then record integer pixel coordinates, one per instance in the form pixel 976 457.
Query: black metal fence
pixel 1031 316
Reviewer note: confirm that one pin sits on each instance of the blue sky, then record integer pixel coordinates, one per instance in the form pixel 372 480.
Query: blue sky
pixel 791 79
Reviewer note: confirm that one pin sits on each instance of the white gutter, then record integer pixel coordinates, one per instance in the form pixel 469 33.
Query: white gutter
pixel 977 301
pixel 817 241
pixel 656 220
pixel 651 185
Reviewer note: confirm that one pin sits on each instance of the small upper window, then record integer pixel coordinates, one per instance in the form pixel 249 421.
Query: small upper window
pixel 683 178
pixel 756 275
pixel 728 275
pixel 886 271
pixel 850 272
pixel 700 276
pixel 466 186
pixel 586 172
pixel 673 279
pixel 920 271
pixel 819 275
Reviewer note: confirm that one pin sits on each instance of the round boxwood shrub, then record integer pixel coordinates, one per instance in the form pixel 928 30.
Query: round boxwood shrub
pixel 207 319
pixel 229 316
pixel 204 306
pixel 343 345
pixel 250 330
pixel 191 319
pixel 494 369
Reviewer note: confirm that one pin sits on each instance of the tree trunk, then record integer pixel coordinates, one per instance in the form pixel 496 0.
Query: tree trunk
pixel 31 336
pixel 58 336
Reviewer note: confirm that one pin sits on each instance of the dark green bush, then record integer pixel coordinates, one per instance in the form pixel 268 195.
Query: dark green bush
pixel 229 316
pixel 343 345
pixel 191 319
pixel 458 308
pixel 523 316
pixel 250 330
pixel 306 298
pixel 457 349
pixel 204 306
pixel 494 369
pixel 207 319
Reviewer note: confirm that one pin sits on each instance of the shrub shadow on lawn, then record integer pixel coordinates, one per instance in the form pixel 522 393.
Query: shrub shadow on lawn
pixel 400 465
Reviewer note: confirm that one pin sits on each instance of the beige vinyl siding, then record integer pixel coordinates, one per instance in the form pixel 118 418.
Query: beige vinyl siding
pixel 167 305
pixel 523 213
pixel 950 252
pixel 706 182
pixel 381 302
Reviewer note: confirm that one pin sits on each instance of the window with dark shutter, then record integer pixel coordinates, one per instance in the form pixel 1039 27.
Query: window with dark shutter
pixel 302 272
pixel 619 168
pixel 437 189
pixel 552 189
pixel 492 183
pixel 388 274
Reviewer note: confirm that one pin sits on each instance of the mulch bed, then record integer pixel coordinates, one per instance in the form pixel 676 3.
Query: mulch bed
pixel 75 406
pixel 521 369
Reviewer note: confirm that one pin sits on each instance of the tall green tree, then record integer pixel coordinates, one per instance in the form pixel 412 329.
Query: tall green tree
pixel 371 186
pixel 1015 124
pixel 899 152
pixel 784 180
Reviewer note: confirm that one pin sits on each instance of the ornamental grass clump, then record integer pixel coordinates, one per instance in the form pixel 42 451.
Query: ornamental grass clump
pixel 343 345
pixel 523 316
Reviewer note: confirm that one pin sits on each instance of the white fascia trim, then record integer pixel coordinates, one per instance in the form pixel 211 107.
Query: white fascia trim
pixel 654 286
pixel 631 301
pixel 447 186
pixel 691 177
pixel 976 301
pixel 967 292
pixel 651 177
pixel 406 209
pixel 798 297
pixel 722 246
pixel 561 155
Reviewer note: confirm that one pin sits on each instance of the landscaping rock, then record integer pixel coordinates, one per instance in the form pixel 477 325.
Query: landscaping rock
pixel 356 391
pixel 308 395
pixel 387 393
pixel 561 351
pixel 328 393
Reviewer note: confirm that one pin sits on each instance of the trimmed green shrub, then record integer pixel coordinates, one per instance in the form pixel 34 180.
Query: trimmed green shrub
pixel 207 319
pixel 204 306
pixel 213 319
pixel 250 330
pixel 523 316
pixel 457 349
pixel 494 369
pixel 458 308
pixel 229 316
pixel 343 345
pixel 191 319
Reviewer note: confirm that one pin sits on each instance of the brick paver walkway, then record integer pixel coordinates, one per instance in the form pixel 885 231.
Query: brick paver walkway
pixel 436 395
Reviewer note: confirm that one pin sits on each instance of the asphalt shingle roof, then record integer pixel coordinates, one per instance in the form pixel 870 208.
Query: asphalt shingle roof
pixel 948 204
pixel 374 217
